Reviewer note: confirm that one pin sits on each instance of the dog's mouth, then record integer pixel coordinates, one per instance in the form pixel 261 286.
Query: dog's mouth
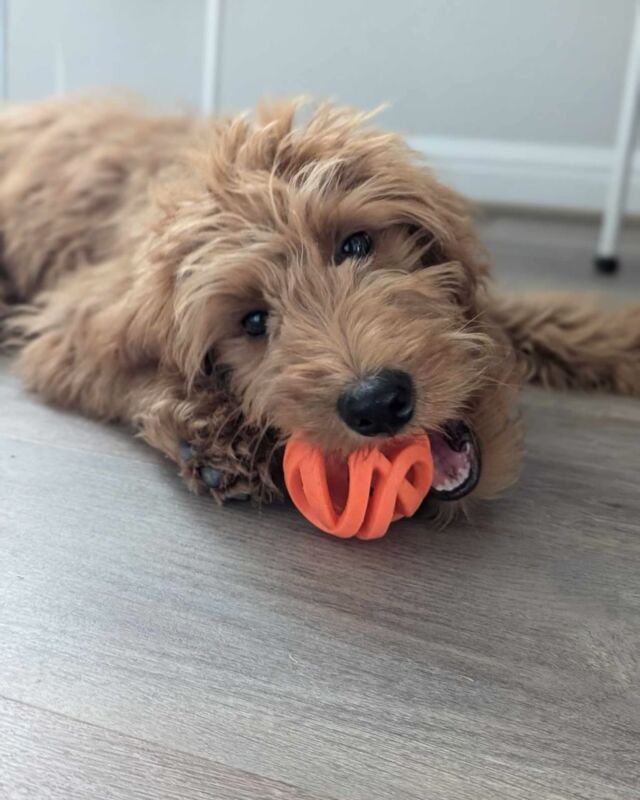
pixel 456 461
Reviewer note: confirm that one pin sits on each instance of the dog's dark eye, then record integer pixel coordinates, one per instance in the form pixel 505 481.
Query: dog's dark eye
pixel 358 245
pixel 255 323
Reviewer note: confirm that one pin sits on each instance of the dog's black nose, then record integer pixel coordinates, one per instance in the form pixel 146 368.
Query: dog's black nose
pixel 378 404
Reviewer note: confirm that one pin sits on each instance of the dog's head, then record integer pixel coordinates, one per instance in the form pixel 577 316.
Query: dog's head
pixel 337 285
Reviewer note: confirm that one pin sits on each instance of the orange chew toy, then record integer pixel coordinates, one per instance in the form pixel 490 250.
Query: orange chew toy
pixel 363 495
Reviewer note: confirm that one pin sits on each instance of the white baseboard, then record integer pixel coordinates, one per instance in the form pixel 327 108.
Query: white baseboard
pixel 511 173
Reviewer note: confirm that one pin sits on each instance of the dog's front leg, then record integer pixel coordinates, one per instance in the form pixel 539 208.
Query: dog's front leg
pixel 73 364
pixel 73 351
pixel 204 432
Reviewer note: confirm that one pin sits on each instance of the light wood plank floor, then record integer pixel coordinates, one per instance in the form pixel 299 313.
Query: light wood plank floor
pixel 154 646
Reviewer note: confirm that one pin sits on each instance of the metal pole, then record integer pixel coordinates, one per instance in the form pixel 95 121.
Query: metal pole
pixel 211 57
pixel 607 253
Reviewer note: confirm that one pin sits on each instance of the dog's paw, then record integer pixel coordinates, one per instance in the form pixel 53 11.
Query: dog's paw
pixel 216 479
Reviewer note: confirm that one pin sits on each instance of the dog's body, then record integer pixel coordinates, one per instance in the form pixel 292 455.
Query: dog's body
pixel 275 279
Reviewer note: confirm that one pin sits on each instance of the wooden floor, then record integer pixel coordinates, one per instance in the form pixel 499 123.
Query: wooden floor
pixel 154 646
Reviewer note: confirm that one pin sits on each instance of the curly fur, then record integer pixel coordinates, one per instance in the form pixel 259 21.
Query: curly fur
pixel 132 246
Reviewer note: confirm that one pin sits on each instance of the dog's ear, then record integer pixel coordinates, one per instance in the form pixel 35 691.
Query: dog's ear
pixel 149 321
pixel 442 219
pixel 173 321
pixel 167 313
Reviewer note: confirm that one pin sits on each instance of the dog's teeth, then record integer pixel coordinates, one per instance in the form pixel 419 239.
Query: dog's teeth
pixel 453 481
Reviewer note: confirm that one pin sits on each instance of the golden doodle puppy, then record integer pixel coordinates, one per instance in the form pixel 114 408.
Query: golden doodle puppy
pixel 220 284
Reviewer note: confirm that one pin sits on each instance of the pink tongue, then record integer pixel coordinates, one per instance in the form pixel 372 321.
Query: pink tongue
pixel 447 464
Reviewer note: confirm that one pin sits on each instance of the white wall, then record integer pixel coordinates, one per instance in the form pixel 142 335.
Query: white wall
pixel 544 71
pixel 514 100
pixel 150 46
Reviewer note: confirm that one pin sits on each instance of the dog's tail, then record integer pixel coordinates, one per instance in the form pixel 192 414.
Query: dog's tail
pixel 568 341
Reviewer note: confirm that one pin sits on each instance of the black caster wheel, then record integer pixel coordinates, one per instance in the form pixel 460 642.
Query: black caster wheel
pixel 607 265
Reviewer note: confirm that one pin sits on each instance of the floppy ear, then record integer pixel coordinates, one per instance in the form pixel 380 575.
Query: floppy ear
pixel 187 294
pixel 442 218
pixel 171 322
pixel 168 279
pixel 447 215
pixel 148 314
pixel 437 216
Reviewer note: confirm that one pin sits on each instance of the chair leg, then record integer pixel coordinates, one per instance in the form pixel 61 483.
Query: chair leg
pixel 607 252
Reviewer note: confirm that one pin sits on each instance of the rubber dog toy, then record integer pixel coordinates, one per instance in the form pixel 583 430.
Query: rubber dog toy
pixel 363 495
